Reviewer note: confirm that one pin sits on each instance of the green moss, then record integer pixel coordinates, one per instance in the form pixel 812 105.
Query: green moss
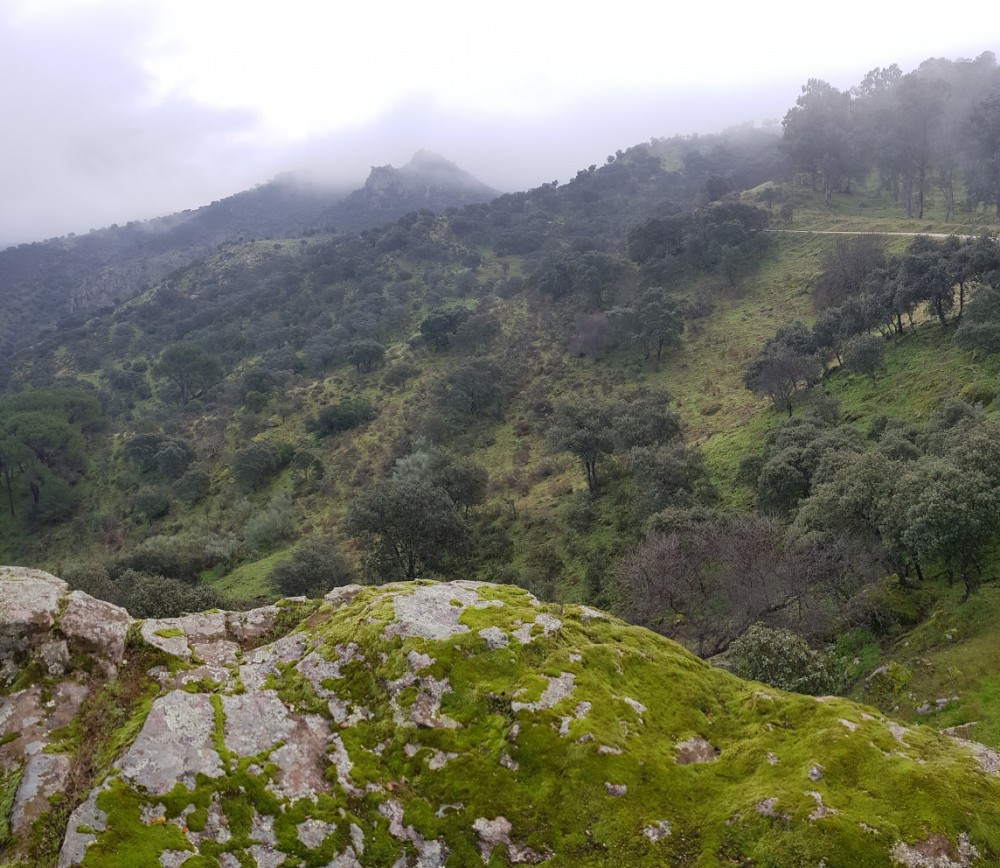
pixel 128 841
pixel 169 632
pixel 557 798
pixel 8 790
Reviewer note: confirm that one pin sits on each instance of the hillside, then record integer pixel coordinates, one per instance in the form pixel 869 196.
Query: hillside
pixel 61 280
pixel 431 724
pixel 667 388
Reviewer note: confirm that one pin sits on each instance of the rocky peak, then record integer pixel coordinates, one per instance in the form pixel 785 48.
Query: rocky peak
pixel 424 723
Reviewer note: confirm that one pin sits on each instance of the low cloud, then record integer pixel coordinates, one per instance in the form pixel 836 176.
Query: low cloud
pixel 83 148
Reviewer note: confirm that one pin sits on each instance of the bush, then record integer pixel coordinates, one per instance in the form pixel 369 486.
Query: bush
pixel 256 463
pixel 192 487
pixel 181 558
pixel 151 502
pixel 342 416
pixel 782 659
pixel 93 579
pixel 154 596
pixel 277 522
pixel 313 568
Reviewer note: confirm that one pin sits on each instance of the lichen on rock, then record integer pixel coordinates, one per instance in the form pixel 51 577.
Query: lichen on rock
pixel 425 723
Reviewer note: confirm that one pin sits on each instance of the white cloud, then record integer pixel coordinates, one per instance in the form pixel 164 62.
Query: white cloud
pixel 123 109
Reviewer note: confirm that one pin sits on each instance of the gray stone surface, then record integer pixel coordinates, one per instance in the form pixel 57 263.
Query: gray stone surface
pixel 255 722
pixel 558 689
pixel 29 602
pixel 175 646
pixel 429 612
pixel 695 750
pixel 430 854
pixel 491 834
pixel 259 664
pixel 175 744
pixel 549 625
pixel 86 817
pixel 253 625
pixel 343 595
pixel 44 775
pixel 495 637
pixel 312 833
pixel 217 653
pixel 96 625
pixel 303 759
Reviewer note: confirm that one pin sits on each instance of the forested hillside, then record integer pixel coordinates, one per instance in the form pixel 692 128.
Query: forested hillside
pixel 660 387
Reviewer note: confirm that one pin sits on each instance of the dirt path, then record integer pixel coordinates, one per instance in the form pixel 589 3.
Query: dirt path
pixel 868 232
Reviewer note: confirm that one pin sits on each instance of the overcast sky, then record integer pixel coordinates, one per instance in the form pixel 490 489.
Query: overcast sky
pixel 113 110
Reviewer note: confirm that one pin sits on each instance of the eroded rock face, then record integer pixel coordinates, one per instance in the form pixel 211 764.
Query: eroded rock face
pixel 29 604
pixel 175 745
pixel 416 725
pixel 95 625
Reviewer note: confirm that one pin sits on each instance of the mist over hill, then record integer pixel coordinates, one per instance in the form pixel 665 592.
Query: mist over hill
pixel 46 281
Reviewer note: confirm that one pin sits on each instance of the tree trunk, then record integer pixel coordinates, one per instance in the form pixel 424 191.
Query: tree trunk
pixel 948 189
pixel 939 307
pixel 920 194
pixel 9 480
pixel 997 216
pixel 908 198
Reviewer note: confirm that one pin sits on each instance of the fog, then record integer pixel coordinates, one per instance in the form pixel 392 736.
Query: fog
pixel 92 137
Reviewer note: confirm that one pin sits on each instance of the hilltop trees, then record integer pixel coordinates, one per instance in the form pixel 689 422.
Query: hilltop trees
pixel 784 364
pixel 983 149
pixel 43 448
pixel 914 129
pixel 593 428
pixel 818 134
pixel 726 237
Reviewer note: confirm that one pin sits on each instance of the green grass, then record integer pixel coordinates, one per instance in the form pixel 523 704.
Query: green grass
pixel 250 581
pixel 922 368
pixel 954 653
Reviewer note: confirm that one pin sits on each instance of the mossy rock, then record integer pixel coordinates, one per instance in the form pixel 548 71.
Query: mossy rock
pixel 462 723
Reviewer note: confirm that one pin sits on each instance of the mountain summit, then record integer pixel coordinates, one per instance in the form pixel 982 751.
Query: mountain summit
pixel 428 181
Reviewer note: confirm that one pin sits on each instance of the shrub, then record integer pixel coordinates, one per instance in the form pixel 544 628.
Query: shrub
pixel 255 464
pixel 273 524
pixel 782 659
pixel 148 595
pixel 192 487
pixel 151 502
pixel 342 416
pixel 887 683
pixel 181 558
pixel 313 568
pixel 93 579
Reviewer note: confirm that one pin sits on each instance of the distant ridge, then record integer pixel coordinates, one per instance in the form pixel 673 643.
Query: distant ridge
pixel 45 282
pixel 427 182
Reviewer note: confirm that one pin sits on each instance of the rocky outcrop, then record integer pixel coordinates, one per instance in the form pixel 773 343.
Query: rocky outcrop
pixel 428 724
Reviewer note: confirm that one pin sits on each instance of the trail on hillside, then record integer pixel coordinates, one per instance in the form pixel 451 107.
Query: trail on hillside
pixel 868 232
